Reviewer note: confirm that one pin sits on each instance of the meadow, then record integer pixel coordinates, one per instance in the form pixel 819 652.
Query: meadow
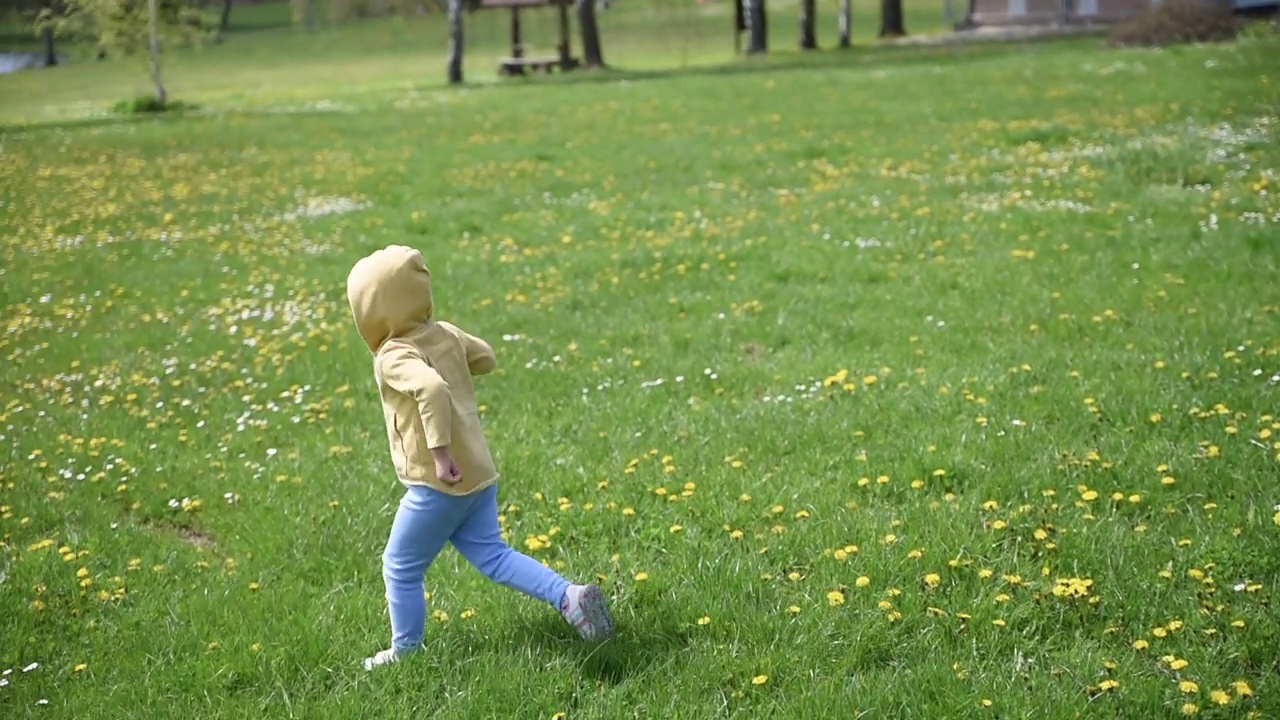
pixel 940 382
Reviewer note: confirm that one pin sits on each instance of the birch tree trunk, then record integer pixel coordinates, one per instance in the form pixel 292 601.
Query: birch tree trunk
pixel 455 42
pixel 808 35
pixel 846 23
pixel 153 31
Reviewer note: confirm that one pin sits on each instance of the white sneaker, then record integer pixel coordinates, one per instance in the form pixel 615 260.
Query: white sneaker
pixel 384 657
pixel 584 608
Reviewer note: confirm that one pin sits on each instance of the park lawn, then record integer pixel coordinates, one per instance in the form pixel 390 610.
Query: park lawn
pixel 353 64
pixel 941 385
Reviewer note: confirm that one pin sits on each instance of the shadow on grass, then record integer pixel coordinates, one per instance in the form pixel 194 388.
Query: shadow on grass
pixel 789 61
pixel 641 640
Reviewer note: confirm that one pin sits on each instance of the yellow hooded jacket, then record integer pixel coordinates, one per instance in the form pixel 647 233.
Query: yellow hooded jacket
pixel 423 369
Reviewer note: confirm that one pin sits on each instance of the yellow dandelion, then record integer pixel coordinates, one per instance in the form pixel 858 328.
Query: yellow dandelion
pixel 642 576
pixel 1219 697
pixel 760 680
pixel 1141 644
pixel 704 620
pixel 1190 709
pixel 835 597
pixel 862 581
pixel 1188 687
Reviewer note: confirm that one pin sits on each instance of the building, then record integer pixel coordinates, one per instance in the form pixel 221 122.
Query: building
pixel 1063 12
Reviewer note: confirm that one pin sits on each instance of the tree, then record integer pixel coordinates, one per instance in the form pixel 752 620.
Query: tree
pixel 128 28
pixel 304 13
pixel 891 20
pixel 225 20
pixel 592 55
pixel 808 36
pixel 50 53
pixel 455 42
pixel 846 23
pixel 757 34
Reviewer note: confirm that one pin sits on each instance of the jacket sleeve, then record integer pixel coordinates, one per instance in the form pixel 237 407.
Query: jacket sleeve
pixel 405 370
pixel 480 357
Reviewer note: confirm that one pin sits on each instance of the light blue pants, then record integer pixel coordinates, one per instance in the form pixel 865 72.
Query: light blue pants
pixel 425 521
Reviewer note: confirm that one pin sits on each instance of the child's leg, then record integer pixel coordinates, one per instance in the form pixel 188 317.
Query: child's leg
pixel 479 539
pixel 423 523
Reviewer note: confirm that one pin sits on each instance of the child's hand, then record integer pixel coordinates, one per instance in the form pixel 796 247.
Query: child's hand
pixel 446 469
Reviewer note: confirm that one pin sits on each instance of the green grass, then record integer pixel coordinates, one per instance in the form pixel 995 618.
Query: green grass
pixel 380 60
pixel 961 309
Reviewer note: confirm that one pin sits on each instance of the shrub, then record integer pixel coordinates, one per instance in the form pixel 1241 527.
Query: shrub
pixel 149 104
pixel 1179 21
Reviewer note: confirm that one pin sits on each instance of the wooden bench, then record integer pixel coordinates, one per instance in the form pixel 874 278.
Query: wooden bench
pixel 545 64
pixel 516 63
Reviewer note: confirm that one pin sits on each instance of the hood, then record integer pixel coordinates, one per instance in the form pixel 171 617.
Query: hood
pixel 390 294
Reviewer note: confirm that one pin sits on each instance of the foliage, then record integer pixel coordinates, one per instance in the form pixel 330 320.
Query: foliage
pixel 1173 22
pixel 150 105
pixel 121 27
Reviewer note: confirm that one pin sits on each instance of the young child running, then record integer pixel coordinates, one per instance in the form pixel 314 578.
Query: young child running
pixel 423 369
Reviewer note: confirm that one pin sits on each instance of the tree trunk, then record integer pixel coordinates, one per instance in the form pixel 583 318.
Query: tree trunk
pixel 846 23
pixel 153 31
pixel 455 42
pixel 891 21
pixel 592 55
pixel 808 35
pixel 757 34
pixel 565 44
pixel 226 19
pixel 50 54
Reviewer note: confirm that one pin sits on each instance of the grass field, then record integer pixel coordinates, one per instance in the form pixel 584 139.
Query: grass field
pixel 358 63
pixel 931 383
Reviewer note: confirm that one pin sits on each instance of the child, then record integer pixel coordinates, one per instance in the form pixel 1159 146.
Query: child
pixel 423 369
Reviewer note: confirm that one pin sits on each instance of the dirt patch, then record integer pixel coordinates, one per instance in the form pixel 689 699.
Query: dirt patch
pixel 200 540
pixel 754 350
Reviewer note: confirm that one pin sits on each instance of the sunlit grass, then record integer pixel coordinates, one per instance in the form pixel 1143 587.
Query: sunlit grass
pixel 943 385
